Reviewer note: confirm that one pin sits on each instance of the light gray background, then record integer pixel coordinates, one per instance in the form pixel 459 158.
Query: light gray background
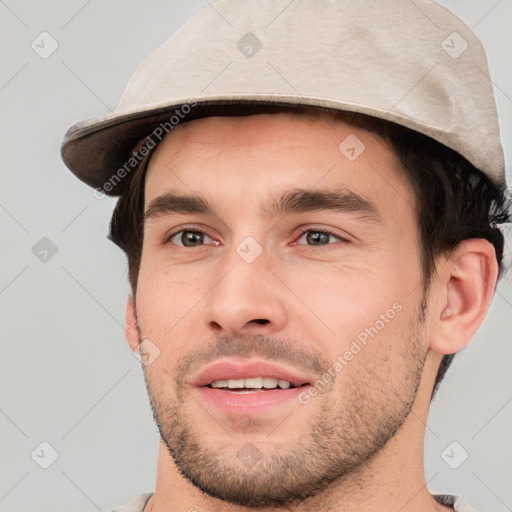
pixel 67 374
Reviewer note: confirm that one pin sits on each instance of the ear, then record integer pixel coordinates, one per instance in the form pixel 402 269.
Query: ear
pixel 132 334
pixel 464 288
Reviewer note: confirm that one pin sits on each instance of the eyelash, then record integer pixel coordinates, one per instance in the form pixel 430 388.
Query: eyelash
pixel 302 231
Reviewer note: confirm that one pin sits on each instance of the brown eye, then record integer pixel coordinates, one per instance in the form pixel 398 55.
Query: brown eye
pixel 313 237
pixel 189 238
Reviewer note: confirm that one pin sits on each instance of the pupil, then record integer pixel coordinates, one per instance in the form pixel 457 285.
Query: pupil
pixel 191 238
pixel 316 237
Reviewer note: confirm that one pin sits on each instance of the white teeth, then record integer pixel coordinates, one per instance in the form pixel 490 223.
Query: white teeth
pixel 252 383
pixel 235 383
pixel 269 382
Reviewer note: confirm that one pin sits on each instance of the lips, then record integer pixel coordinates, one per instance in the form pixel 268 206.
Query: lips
pixel 243 369
pixel 225 395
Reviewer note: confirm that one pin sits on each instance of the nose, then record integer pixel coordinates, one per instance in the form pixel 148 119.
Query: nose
pixel 246 298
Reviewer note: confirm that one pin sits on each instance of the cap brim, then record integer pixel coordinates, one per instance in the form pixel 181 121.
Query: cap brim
pixel 98 148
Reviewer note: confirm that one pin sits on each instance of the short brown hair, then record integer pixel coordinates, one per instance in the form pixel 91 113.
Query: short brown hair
pixel 455 201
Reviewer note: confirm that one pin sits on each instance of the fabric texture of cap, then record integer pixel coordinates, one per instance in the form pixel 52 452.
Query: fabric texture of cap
pixel 412 63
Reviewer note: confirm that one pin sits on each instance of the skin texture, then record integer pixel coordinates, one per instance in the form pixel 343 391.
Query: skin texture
pixel 358 444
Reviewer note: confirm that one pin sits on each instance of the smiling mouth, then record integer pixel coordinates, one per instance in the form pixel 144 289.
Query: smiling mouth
pixel 247 388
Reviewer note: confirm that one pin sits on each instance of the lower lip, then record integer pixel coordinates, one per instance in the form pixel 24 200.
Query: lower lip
pixel 242 404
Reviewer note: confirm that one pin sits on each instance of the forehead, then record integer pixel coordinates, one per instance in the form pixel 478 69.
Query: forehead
pixel 255 156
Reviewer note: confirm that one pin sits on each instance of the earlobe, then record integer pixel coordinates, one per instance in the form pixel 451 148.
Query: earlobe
pixel 468 280
pixel 131 331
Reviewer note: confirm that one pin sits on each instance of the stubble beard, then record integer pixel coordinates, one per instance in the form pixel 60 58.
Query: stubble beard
pixel 341 437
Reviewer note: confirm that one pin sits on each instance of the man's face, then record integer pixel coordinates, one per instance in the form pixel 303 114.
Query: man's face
pixel 334 309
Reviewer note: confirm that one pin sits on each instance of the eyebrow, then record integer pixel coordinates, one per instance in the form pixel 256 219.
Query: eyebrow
pixel 294 201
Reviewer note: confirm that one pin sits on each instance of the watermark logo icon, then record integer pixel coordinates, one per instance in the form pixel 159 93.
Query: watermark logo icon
pixel 249 249
pixel 44 455
pixel 454 455
pixel 352 147
pixel 248 455
pixel 454 45
pixel 147 352
pixel 44 250
pixel 249 45
pixel 44 45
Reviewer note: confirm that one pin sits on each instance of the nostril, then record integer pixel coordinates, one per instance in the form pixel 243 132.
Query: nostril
pixel 261 321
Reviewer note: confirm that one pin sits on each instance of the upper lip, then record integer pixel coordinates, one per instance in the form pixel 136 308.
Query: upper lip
pixel 225 370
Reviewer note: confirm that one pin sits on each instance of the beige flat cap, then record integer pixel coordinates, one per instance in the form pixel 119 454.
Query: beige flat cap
pixel 408 61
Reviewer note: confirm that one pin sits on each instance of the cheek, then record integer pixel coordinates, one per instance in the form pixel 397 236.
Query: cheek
pixel 349 296
pixel 381 360
pixel 166 307
pixel 364 313
pixel 165 289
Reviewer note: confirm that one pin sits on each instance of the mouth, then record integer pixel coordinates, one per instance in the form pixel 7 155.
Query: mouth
pixel 241 387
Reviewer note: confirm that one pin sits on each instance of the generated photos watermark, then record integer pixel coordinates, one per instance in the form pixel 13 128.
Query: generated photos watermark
pixel 150 142
pixel 356 346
